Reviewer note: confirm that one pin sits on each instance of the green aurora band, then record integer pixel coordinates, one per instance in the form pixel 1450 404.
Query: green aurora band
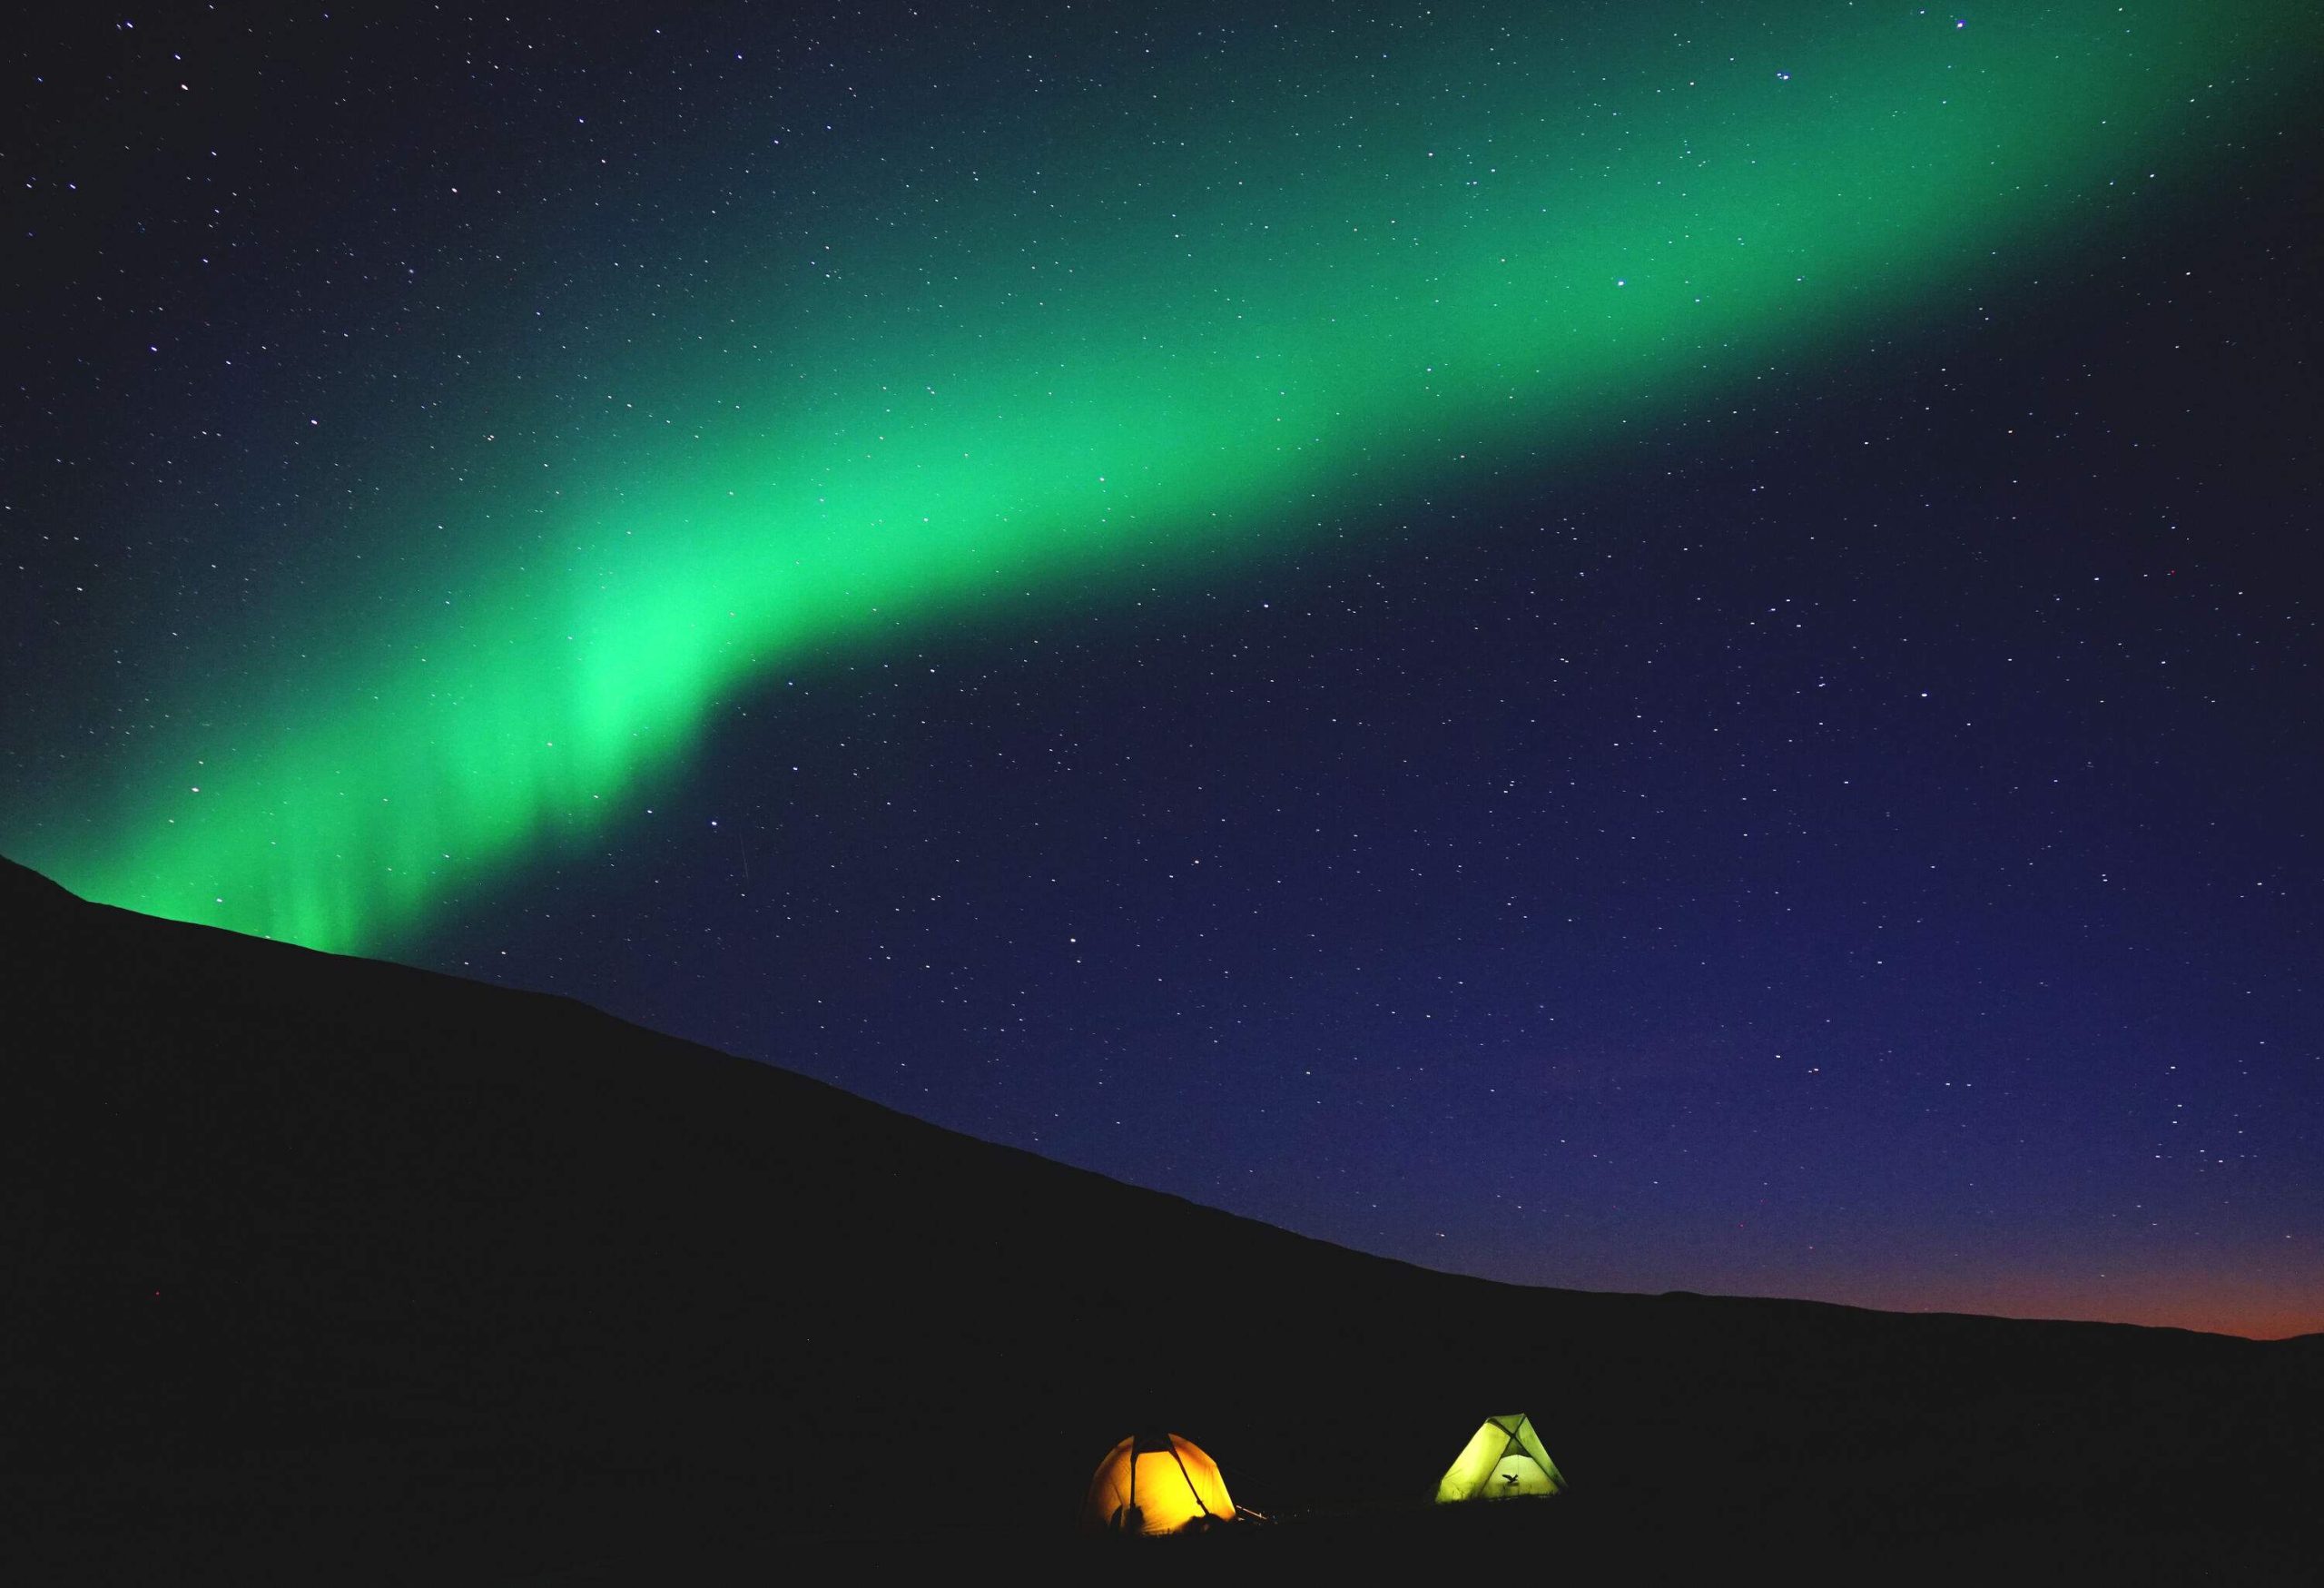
pixel 1269 318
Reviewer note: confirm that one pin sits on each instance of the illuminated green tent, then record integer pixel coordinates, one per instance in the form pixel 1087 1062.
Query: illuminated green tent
pixel 1502 1459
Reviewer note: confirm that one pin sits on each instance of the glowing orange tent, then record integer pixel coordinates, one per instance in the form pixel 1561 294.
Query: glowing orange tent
pixel 1153 1484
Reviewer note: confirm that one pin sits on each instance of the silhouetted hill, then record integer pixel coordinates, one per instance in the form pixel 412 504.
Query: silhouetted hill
pixel 329 1262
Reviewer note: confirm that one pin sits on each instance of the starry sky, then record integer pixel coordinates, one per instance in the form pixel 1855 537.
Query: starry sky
pixel 1627 646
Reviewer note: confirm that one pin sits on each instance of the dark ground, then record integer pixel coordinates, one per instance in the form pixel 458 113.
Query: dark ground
pixel 324 1267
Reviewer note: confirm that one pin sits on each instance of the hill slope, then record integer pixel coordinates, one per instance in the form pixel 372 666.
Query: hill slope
pixel 362 1263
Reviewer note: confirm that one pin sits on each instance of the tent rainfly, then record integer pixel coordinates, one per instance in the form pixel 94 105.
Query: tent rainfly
pixel 1502 1458
pixel 1155 1484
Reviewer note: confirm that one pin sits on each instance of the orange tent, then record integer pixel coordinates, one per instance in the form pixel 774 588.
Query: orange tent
pixel 1153 1484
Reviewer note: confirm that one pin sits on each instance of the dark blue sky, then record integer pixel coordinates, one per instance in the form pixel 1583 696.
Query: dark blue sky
pixel 1856 839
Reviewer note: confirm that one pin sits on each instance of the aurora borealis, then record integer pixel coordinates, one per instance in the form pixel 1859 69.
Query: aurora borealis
pixel 487 456
pixel 1537 231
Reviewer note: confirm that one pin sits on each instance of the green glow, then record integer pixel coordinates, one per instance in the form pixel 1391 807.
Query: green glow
pixel 1287 314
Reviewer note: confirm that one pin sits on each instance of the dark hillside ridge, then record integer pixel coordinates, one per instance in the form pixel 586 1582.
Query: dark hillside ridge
pixel 371 1267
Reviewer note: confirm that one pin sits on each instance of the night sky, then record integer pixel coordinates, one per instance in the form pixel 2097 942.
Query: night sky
pixel 1635 645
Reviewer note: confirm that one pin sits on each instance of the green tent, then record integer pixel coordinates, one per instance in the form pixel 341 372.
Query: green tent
pixel 1502 1458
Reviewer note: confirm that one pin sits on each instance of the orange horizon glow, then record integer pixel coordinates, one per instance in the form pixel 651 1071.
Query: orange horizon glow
pixel 2247 1309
